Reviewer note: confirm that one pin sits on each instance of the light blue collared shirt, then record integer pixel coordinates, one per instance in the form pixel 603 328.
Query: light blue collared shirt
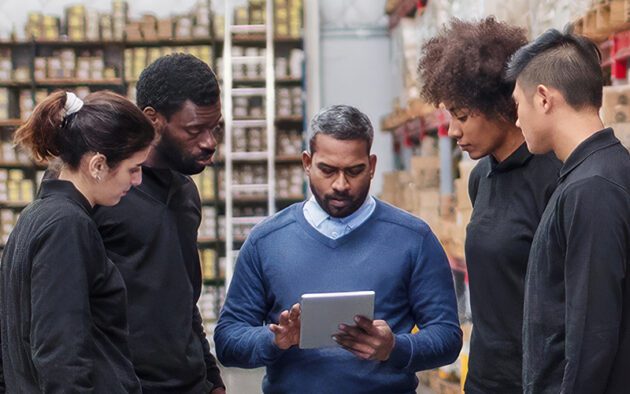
pixel 337 227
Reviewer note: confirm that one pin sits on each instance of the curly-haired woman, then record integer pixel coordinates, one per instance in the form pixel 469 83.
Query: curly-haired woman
pixel 462 69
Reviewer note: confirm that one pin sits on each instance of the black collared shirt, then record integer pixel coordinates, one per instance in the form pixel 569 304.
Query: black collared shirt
pixel 151 235
pixel 508 199
pixel 576 331
pixel 62 302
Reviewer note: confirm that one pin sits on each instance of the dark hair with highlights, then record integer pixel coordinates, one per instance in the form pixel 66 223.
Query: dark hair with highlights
pixel 172 79
pixel 464 66
pixel 563 61
pixel 107 123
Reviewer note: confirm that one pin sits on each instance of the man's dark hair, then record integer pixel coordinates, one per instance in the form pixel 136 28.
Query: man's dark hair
pixel 172 79
pixel 563 61
pixel 342 122
pixel 464 64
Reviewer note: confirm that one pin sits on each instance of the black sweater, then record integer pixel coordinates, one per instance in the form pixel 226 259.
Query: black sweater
pixel 62 302
pixel 151 235
pixel 508 199
pixel 576 328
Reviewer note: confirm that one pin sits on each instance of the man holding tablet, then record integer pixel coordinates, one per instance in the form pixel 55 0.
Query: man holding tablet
pixel 341 240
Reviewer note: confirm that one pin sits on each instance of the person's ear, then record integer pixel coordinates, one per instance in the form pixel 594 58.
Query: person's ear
pixel 307 162
pixel 372 165
pixel 544 98
pixel 157 119
pixel 97 167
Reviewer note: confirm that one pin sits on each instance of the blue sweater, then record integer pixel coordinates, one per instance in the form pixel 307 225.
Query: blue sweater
pixel 392 253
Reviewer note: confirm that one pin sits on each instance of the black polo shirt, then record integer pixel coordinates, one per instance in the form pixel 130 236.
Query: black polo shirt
pixel 63 309
pixel 576 331
pixel 508 200
pixel 151 235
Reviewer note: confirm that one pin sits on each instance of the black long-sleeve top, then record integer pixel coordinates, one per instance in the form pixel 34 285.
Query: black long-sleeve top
pixel 151 235
pixel 508 200
pixel 62 302
pixel 576 332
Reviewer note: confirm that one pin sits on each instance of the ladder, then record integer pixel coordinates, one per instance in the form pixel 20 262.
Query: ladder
pixel 268 122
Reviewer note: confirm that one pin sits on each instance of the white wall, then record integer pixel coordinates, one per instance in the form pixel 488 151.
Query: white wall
pixel 355 71
pixel 355 67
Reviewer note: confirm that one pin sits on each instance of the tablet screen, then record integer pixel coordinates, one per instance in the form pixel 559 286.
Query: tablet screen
pixel 322 313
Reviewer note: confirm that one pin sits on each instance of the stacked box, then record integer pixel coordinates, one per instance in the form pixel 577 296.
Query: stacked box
pixel 92 25
pixel 5 64
pixel 165 29
pixel 295 18
pixel 133 31
pixel 241 15
pixel 290 181
pixel 616 104
pixel 281 10
pixel 208 258
pixel 68 63
pixel 19 189
pixel 8 219
pixel 207 305
pixel 218 24
pixel 76 22
pixel 50 28
pixel 425 171
pixel 289 101
pixel 622 132
pixel 26 104
pixel 281 68
pixel 139 62
pixel 184 27
pixel 256 12
pixel 201 15
pixel 128 64
pixel 106 27
pixel 207 228
pixel 97 65
pixel 40 66
pixel 296 63
pixel 148 26
pixel 4 103
pixel 289 142
pixel 34 25
pixel 40 95
pixel 205 184
pixel 22 74
pixel 119 18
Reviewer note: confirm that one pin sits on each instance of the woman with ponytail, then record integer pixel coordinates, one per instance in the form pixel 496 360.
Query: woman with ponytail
pixel 63 313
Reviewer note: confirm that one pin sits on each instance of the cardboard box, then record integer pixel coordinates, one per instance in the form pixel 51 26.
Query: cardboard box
pixel 622 132
pixel 165 29
pixel 616 104
pixel 425 171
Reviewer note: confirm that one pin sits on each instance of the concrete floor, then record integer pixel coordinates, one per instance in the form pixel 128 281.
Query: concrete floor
pixel 248 381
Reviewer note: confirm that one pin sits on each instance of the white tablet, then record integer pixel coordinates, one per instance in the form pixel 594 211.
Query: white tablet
pixel 322 313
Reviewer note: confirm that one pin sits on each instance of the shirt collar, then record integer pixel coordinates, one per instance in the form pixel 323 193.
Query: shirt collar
pixel 517 159
pixel 600 140
pixel 55 187
pixel 318 215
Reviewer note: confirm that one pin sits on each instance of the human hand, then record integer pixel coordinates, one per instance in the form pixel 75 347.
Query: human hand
pixel 368 340
pixel 287 331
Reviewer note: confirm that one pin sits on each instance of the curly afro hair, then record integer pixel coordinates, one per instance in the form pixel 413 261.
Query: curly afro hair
pixel 172 79
pixel 464 66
